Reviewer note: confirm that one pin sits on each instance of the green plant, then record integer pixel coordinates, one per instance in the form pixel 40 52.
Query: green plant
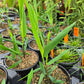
pixel 78 13
pixel 68 57
pixel 75 42
pixel 3 81
pixel 45 49
pixel 15 52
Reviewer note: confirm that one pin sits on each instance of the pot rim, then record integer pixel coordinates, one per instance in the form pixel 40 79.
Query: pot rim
pixel 37 50
pixel 64 70
pixel 68 63
pixel 4 61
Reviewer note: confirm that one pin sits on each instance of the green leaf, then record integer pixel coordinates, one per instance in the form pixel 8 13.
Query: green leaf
pixel 3 81
pixel 57 39
pixel 34 24
pixel 27 75
pixel 55 81
pixel 6 48
pixel 50 18
pixel 35 5
pixel 17 42
pixel 26 42
pixel 10 3
pixel 30 76
pixel 23 19
pixel 16 48
pixel 15 64
pixel 42 68
pixel 48 37
pixel 41 78
pixel 9 57
pixel 50 71
pixel 57 58
pixel 65 2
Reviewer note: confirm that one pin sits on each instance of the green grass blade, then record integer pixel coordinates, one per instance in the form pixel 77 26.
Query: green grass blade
pixel 6 48
pixel 15 64
pixel 30 76
pixel 56 58
pixel 26 42
pixel 41 78
pixel 23 19
pixel 3 81
pixel 34 24
pixel 42 68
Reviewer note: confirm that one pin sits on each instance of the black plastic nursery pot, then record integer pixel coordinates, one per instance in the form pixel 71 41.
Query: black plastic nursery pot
pixel 3 33
pixel 29 38
pixel 24 72
pixel 36 50
pixel 76 72
pixel 68 65
pixel 44 34
pixel 82 40
pixel 6 73
pixel 8 37
pixel 11 13
pixel 65 71
pixel 11 77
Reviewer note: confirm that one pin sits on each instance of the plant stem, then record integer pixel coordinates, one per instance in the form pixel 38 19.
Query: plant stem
pixel 46 70
pixel 23 50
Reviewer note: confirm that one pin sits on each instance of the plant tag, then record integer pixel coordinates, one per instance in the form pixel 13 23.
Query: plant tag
pixel 44 7
pixel 76 31
pixel 66 39
pixel 83 60
pixel 62 12
pixel 52 53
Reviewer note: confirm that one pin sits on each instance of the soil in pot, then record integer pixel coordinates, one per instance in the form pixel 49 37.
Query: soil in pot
pixel 2 75
pixel 34 45
pixel 3 25
pixel 29 25
pixel 30 36
pixel 68 57
pixel 17 21
pixel 43 29
pixel 28 61
pixel 6 44
pixel 6 33
pixel 57 73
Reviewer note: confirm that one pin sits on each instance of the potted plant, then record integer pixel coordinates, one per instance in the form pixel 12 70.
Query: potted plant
pixel 45 69
pixel 75 42
pixel 33 46
pixel 69 58
pixel 14 30
pixel 22 60
pixel 6 43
